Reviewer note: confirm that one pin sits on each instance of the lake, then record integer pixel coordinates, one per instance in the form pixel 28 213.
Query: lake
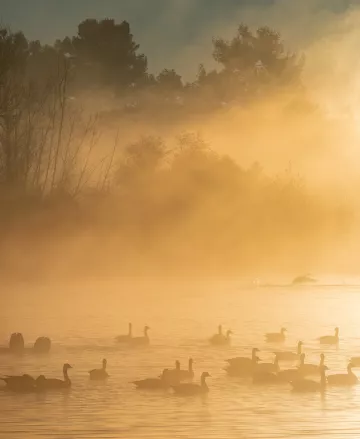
pixel 83 319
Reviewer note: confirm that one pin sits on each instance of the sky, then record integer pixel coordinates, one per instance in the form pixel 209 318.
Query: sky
pixel 174 33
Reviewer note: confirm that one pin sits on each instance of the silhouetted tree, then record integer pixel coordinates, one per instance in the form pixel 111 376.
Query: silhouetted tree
pixel 105 53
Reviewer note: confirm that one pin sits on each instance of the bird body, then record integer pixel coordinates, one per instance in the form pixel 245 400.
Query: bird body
pixel 310 369
pixel 245 361
pixel 141 341
pixel 265 378
pixel 125 338
pixel 306 385
pixel 275 337
pixel 268 367
pixel 343 379
pixel 190 389
pixel 99 374
pixel 22 383
pixel 288 375
pixel 43 383
pixel 221 339
pixel 330 339
pixel 289 356
pixel 161 383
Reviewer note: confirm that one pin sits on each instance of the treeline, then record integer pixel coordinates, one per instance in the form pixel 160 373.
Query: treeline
pixel 69 200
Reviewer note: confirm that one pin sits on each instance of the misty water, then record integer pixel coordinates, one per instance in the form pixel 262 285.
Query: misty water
pixel 83 320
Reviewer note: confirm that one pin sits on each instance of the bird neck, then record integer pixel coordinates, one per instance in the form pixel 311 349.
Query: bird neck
pixel 322 360
pixel 66 376
pixel 190 366
pixel 130 330
pixel 323 379
pixel 299 349
pixel 203 382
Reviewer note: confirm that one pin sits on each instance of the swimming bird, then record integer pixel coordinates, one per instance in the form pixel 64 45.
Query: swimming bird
pixel 268 367
pixel 245 361
pixel 343 379
pixel 289 356
pixel 44 383
pixel 125 338
pixel 310 369
pixel 288 375
pixel 220 339
pixel 99 374
pixel 306 385
pixel 187 374
pixel 330 339
pixel 189 389
pixel 266 378
pixel 21 383
pixel 42 345
pixel 275 337
pixel 355 361
pixel 161 383
pixel 140 341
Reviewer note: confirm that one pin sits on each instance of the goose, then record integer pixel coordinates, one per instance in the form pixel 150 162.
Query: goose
pixel 172 375
pixel 310 369
pixel 44 383
pixel 245 361
pixel 125 338
pixel 289 356
pixel 154 383
pixel 343 379
pixel 266 378
pixel 276 337
pixel 22 383
pixel 330 339
pixel 99 374
pixel 188 374
pixel 288 375
pixel 189 389
pixel 144 340
pixel 221 339
pixel 355 361
pixel 306 385
pixel 268 367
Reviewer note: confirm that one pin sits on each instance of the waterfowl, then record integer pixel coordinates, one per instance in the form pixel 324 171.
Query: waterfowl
pixel 275 337
pixel 343 379
pixel 330 339
pixel 288 375
pixel 306 385
pixel 44 383
pixel 42 345
pixel 188 389
pixel 221 339
pixel 99 374
pixel 289 356
pixel 144 340
pixel 245 361
pixel 172 375
pixel 154 383
pixel 265 378
pixel 310 369
pixel 22 383
pixel 355 361
pixel 125 338
pixel 268 367
pixel 187 374
pixel 16 343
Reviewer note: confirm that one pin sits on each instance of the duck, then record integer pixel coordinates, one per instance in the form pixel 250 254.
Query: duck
pixel 220 339
pixel 343 379
pixel 140 341
pixel 161 383
pixel 289 356
pixel 330 339
pixel 44 383
pixel 99 374
pixel 189 389
pixel 126 337
pixel 21 383
pixel 310 369
pixel 306 385
pixel 275 337
pixel 268 367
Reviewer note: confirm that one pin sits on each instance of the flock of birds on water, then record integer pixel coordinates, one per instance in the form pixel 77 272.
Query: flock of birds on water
pixel 180 381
